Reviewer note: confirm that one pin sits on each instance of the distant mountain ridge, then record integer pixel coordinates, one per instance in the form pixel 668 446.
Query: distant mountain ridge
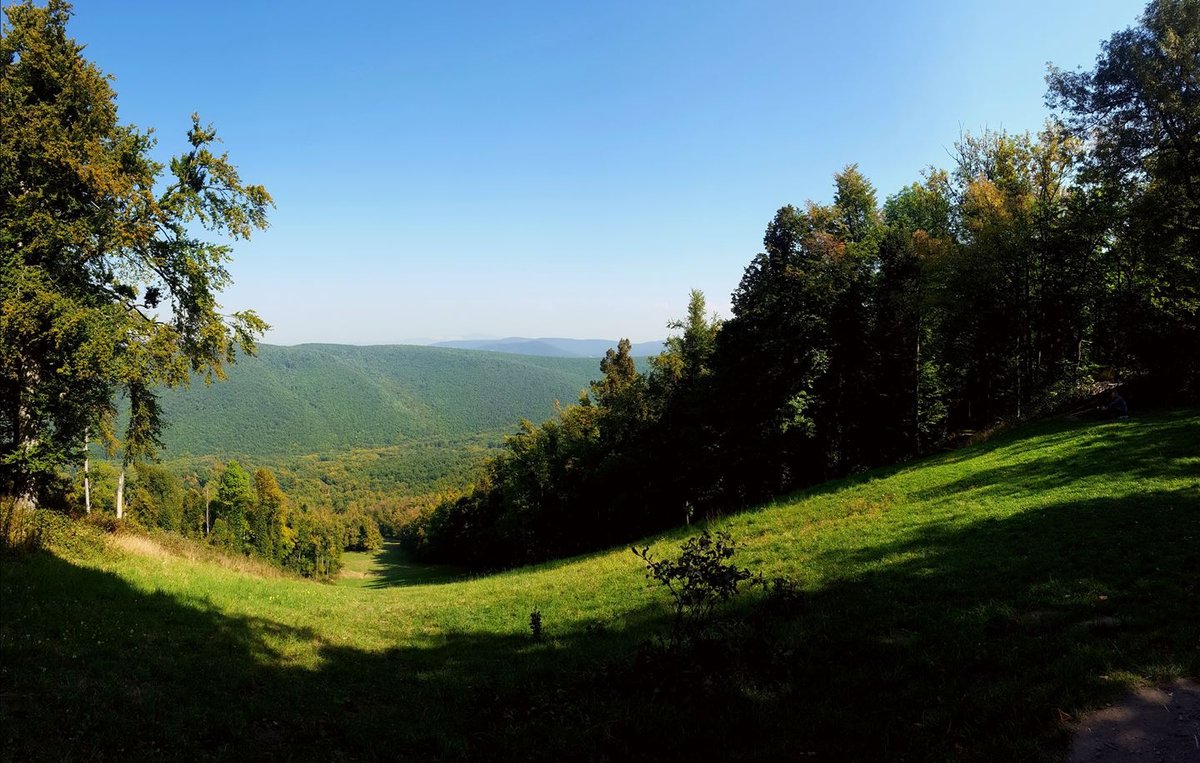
pixel 551 347
pixel 317 398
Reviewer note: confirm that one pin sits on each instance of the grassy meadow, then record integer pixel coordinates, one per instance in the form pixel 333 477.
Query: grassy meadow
pixel 965 606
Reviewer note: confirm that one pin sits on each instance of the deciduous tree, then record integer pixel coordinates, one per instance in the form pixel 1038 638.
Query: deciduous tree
pixel 110 262
pixel 1138 111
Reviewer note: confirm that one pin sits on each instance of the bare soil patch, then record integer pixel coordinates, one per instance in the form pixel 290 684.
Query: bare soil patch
pixel 1153 724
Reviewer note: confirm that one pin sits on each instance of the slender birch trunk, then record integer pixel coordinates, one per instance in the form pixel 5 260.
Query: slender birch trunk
pixel 87 476
pixel 121 494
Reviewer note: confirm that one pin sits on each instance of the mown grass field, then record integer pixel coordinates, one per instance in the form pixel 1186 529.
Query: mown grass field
pixel 955 608
pixel 390 566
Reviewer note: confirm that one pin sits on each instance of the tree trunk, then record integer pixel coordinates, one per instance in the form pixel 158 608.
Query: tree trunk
pixel 121 494
pixel 87 487
pixel 917 394
pixel 87 477
pixel 24 487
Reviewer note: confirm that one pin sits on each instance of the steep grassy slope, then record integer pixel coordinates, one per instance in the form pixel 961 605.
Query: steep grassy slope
pixel 958 607
pixel 319 398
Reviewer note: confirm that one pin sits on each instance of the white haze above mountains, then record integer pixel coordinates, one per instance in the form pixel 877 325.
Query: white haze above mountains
pixel 552 347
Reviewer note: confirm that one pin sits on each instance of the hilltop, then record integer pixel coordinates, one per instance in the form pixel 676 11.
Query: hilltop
pixel 964 606
pixel 554 347
pixel 316 398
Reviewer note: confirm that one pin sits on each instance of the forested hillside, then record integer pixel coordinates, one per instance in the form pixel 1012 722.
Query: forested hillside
pixel 317 398
pixel 351 438
pixel 551 346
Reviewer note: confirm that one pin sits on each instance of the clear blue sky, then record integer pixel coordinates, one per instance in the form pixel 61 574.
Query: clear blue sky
pixel 446 169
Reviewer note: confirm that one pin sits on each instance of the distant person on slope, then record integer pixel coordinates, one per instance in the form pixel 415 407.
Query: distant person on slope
pixel 1117 408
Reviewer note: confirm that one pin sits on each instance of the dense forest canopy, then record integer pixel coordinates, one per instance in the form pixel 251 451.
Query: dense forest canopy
pixel 1008 286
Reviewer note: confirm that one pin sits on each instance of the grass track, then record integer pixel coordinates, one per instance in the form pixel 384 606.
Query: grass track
pixel 954 606
pixel 390 566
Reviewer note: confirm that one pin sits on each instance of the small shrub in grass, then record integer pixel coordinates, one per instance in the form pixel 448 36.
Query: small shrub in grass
pixel 535 624
pixel 63 533
pixel 704 652
pixel 700 580
pixel 103 522
pixel 783 594
pixel 24 530
pixel 19 530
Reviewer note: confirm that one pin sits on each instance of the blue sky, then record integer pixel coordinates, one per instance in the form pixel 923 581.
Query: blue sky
pixel 448 169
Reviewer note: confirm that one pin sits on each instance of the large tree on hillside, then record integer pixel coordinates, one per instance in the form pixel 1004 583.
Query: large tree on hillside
pixel 772 354
pixel 232 507
pixel 908 394
pixel 1017 293
pixel 1139 112
pixel 107 285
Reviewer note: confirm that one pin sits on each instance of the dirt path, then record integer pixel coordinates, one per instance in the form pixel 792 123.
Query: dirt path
pixel 1153 725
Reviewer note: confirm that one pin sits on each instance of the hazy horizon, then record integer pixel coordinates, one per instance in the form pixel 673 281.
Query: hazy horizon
pixel 431 342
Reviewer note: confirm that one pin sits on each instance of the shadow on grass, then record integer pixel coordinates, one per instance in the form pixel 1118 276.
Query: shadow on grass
pixel 94 668
pixel 1117 450
pixel 392 567
pixel 959 643
pixel 1155 445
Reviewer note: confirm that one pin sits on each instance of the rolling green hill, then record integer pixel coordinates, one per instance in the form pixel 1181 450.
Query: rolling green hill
pixel 961 607
pixel 321 398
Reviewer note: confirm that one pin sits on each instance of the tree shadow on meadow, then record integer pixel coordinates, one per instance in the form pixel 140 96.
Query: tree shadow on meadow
pixel 958 642
pixel 95 668
pixel 1119 449
pixel 393 567
pixel 988 631
pixel 1161 444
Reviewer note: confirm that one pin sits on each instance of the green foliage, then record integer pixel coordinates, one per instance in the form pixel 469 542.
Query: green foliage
pixel 250 514
pixel 925 206
pixel 317 550
pixel 267 518
pixel 192 523
pixel 361 532
pixel 685 358
pixel 1139 111
pixel 155 498
pixel 223 535
pixel 860 336
pixel 105 282
pixel 700 580
pixel 232 505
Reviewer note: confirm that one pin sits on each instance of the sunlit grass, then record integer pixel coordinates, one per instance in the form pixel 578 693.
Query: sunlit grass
pixel 963 598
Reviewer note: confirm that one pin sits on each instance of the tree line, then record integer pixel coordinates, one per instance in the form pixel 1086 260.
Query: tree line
pixel 231 508
pixel 864 333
